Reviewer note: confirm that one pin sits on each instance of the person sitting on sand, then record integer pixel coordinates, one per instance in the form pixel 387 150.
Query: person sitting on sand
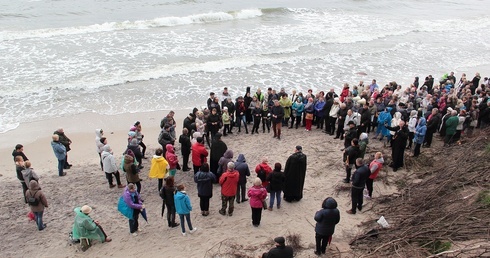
pixel 86 227
pixel 280 250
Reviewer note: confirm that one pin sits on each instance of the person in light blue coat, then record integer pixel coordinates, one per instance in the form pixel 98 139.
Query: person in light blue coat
pixel 298 108
pixel 183 207
pixel 419 137
pixel 60 153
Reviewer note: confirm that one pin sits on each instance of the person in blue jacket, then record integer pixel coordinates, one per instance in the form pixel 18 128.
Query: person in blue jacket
pixel 183 207
pixel 326 219
pixel 298 108
pixel 419 137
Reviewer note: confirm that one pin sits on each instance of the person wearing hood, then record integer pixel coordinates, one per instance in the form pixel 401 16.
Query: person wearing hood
pixel 412 123
pixel 359 179
pixel 172 159
pixel 276 181
pixel 223 162
pixel 383 118
pixel 133 200
pixel 183 207
pixel 99 143
pixel 257 195
pixel 242 167
pixel 110 168
pixel 159 167
pixel 394 122
pixel 60 152
pixel 204 180
pixel 19 151
pixel 450 125
pixel 363 143
pixel 326 219
pixel 199 154
pixel 135 148
pixel 419 136
pixel 132 171
pixel 37 201
pixel 85 227
pixel 295 172
pixel 229 182
pixel 218 149
pixel 375 166
pixel 28 173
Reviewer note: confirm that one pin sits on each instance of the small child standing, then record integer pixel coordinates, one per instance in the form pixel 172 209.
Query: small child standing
pixel 183 207
pixel 225 117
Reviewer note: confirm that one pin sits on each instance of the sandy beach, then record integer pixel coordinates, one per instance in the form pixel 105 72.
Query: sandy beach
pixel 217 235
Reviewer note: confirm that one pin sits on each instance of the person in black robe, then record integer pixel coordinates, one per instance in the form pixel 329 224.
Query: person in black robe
pixel 247 100
pixel 398 144
pixel 295 172
pixel 218 148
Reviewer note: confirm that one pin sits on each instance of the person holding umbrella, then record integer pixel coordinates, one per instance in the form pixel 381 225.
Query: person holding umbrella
pixel 133 200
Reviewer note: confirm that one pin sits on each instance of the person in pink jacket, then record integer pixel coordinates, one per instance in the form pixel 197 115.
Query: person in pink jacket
pixel 173 161
pixel 257 195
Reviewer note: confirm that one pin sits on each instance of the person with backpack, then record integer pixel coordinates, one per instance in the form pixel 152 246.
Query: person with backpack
pixel 37 201
pixel 263 170
pixel 167 194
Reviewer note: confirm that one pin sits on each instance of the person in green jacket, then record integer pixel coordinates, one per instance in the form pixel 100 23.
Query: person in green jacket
pixel 86 227
pixel 451 125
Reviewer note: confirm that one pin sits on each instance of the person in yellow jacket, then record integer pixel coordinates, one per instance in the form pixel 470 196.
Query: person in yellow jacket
pixel 286 103
pixel 159 167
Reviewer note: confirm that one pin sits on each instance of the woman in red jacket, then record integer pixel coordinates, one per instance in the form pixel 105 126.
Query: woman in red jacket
pixel 199 154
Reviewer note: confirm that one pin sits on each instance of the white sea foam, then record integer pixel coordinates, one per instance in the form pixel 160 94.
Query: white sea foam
pixel 133 25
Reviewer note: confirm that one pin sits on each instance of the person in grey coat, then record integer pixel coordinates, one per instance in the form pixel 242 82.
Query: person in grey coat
pixel 60 153
pixel 110 168
pixel 242 167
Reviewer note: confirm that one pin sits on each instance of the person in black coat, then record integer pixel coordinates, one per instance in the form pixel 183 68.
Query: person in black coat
pixel 247 100
pixel 398 144
pixel 276 181
pixel 218 148
pixel 165 138
pixel 242 167
pixel 350 155
pixel 326 219
pixel 213 123
pixel 277 113
pixel 351 134
pixel 19 151
pixel 295 172
pixel 326 110
pixel 204 180
pixel 189 124
pixel 280 250
pixel 185 148
pixel 359 179
pixel 341 114
pixel 135 148
pixel 433 120
pixel 365 122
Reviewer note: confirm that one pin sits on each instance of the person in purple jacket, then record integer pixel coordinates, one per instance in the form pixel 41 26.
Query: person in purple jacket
pixel 133 200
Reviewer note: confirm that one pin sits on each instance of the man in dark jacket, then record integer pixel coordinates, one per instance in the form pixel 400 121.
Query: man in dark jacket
pixel 242 167
pixel 218 149
pixel 359 179
pixel 326 110
pixel 66 142
pixel 365 120
pixel 280 251
pixel 398 144
pixel 326 219
pixel 433 120
pixel 350 155
pixel 165 138
pixel 277 113
pixel 295 172
pixel 351 134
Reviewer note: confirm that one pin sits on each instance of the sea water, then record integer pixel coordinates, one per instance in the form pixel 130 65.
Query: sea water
pixel 65 57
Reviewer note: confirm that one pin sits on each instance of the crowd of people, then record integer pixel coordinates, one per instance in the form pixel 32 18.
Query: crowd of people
pixel 403 119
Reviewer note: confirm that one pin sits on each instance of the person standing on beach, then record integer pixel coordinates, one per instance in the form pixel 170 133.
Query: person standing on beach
pixel 139 137
pixel 165 138
pixel 277 113
pixel 359 180
pixel 66 142
pixel 110 167
pixel 228 181
pixel 131 170
pixel 99 143
pixel 257 195
pixel 326 219
pixel 172 159
pixel 204 180
pixel 375 166
pixel 183 207
pixel 276 181
pixel 19 151
pixel 19 167
pixel 242 167
pixel 350 155
pixel 167 193
pixel 28 173
pixel 133 200
pixel 37 201
pixel 159 167
pixel 60 153
pixel 185 148
pixel 199 154
pixel 295 172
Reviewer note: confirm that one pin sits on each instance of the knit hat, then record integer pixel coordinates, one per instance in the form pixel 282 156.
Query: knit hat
pixel 86 209
pixel 280 240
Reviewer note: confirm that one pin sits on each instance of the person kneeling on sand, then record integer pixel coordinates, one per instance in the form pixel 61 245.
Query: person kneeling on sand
pixel 86 227
pixel 280 250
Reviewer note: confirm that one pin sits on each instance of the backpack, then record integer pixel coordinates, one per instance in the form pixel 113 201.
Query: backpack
pixel 32 200
pixel 261 174
pixel 162 193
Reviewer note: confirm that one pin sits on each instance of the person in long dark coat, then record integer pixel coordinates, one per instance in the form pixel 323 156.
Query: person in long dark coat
pixel 218 148
pixel 247 100
pixel 295 172
pixel 398 144
pixel 326 219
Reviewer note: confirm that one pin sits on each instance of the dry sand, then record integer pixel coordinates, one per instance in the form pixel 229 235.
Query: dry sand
pixel 216 235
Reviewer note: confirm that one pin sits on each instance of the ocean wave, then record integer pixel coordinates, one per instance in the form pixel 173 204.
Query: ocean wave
pixel 134 25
